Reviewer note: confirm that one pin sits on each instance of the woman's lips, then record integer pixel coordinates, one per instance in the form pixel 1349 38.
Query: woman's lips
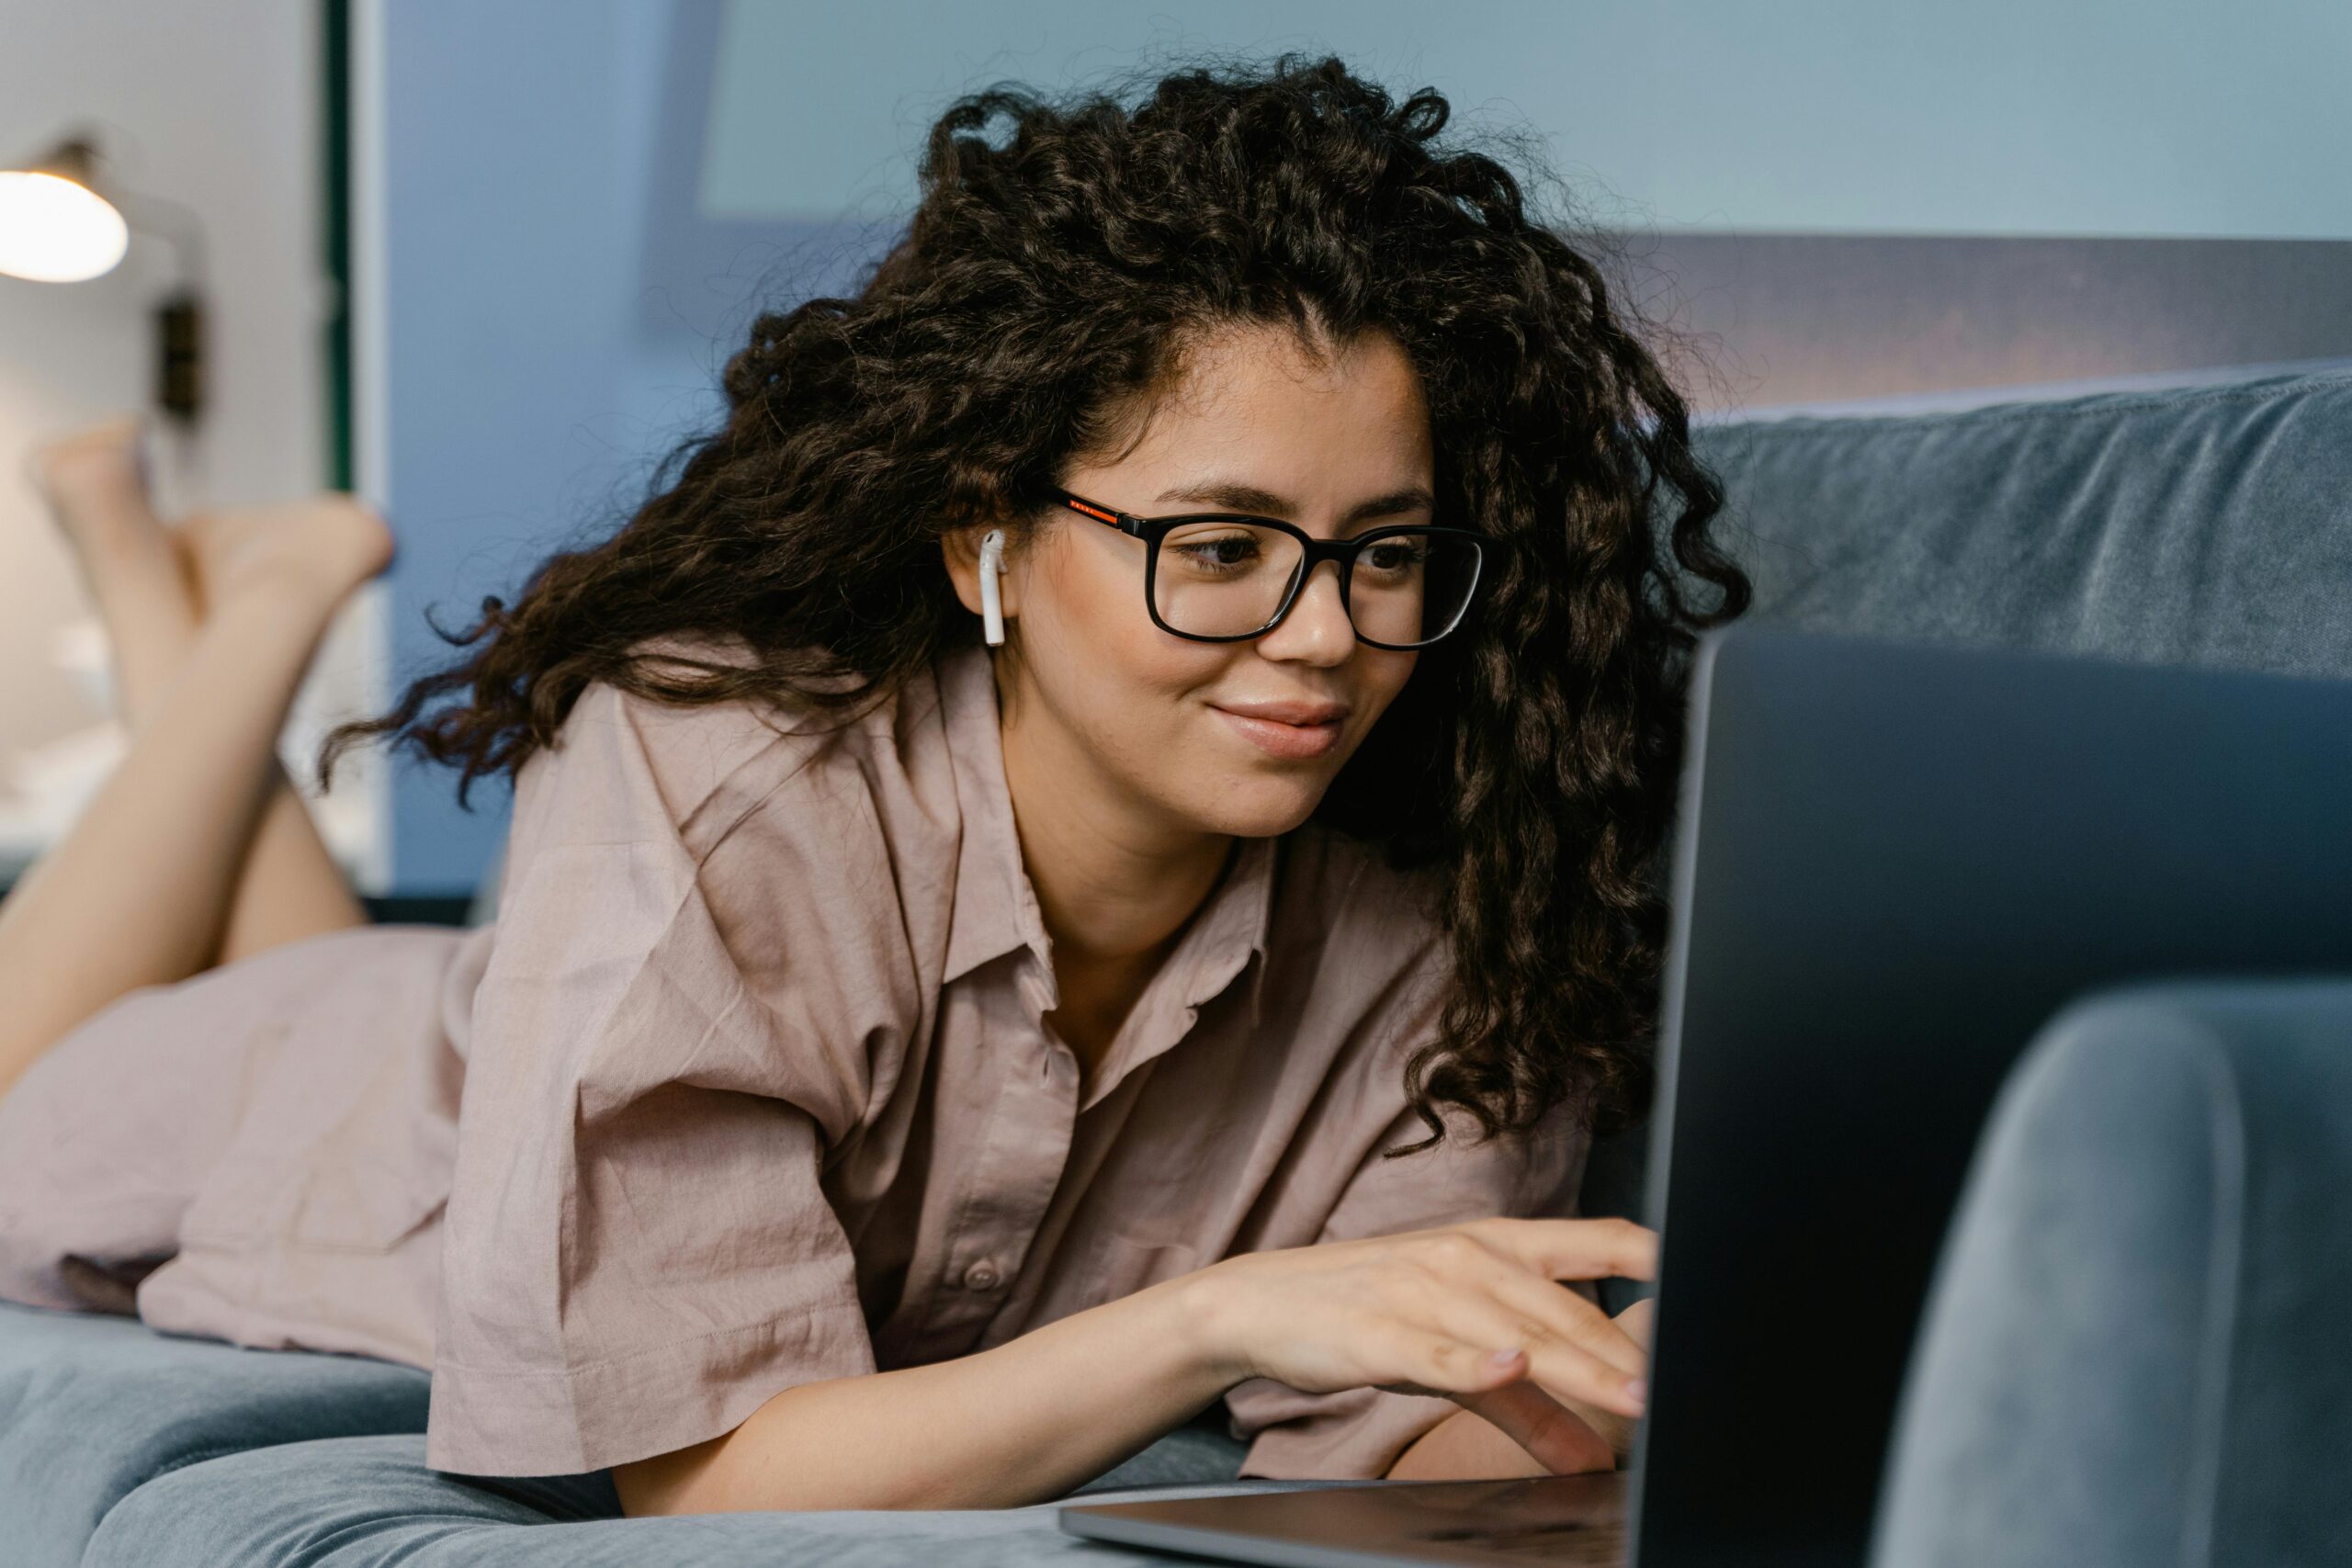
pixel 1292 732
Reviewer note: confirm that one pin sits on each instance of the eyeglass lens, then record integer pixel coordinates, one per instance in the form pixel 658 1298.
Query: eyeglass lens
pixel 1226 578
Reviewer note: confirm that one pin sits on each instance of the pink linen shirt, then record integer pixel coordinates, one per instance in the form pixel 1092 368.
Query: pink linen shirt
pixel 750 1085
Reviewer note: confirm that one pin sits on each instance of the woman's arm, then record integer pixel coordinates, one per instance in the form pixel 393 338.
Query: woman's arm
pixel 1019 1422
pixel 1027 1420
pixel 1465 1446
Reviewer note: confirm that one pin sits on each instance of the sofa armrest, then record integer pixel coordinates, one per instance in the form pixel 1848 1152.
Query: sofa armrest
pixel 2134 1351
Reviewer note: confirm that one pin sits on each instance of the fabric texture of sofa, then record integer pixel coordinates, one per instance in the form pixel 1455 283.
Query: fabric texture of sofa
pixel 2210 525
pixel 2153 1232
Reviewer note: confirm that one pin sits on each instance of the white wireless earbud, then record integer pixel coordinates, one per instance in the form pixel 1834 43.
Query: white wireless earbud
pixel 992 596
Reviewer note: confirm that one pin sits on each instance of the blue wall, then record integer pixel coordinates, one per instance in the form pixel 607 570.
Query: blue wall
pixel 584 198
pixel 525 385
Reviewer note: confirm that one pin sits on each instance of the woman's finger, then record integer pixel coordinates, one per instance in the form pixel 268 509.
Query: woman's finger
pixel 1567 1373
pixel 1490 1297
pixel 1440 1364
pixel 1553 1435
pixel 1560 1368
pixel 1537 1309
pixel 1574 1249
pixel 1638 1320
pixel 1470 1294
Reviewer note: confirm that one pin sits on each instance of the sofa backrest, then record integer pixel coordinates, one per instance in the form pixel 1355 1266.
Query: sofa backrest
pixel 2208 525
pixel 2205 525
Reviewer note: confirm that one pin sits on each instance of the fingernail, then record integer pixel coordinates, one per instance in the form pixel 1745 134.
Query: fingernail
pixel 1503 1358
pixel 1638 1391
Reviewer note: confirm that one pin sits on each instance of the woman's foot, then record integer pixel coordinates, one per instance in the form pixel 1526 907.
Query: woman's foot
pixel 314 551
pixel 95 482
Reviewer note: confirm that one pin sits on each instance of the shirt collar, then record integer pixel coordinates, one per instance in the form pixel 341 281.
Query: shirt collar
pixel 996 911
pixel 1223 934
pixel 996 908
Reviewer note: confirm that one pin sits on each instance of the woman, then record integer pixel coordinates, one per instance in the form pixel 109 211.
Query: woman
pixel 1088 854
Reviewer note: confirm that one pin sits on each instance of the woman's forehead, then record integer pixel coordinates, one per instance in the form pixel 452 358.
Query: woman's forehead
pixel 1251 406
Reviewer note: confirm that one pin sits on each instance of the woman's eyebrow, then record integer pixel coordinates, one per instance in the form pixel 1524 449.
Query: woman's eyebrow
pixel 1237 497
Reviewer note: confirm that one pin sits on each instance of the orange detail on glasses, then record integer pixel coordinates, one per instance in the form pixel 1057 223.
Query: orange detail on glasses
pixel 1078 505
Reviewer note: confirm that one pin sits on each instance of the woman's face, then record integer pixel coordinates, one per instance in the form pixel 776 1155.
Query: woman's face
pixel 1239 737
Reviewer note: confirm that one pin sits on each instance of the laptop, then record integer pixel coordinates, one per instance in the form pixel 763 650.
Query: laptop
pixel 1894 861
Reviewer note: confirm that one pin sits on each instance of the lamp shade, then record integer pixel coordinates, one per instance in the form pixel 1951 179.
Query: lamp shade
pixel 53 227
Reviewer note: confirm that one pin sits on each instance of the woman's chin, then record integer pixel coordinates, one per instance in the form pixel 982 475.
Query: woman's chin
pixel 1260 808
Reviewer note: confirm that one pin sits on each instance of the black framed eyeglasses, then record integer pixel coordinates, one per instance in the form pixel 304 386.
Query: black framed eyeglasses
pixel 1230 576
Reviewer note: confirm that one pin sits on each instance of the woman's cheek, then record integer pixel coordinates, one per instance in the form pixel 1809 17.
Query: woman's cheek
pixel 1126 683
pixel 1383 676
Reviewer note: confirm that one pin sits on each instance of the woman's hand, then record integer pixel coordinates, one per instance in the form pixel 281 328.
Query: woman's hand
pixel 1566 1435
pixel 1473 1312
pixel 1614 1429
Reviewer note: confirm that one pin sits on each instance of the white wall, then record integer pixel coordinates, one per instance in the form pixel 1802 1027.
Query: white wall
pixel 216 106
pixel 1875 117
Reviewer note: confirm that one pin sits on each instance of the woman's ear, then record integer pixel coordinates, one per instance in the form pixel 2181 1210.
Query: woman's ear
pixel 961 549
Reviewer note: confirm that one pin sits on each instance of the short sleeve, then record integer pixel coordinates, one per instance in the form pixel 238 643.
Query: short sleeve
pixel 691 973
pixel 1356 1434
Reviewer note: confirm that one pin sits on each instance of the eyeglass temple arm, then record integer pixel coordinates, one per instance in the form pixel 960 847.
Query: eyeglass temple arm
pixel 1119 520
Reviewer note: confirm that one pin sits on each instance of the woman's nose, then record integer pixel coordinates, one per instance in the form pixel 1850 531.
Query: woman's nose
pixel 1316 631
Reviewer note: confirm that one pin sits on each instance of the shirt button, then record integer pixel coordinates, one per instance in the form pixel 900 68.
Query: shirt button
pixel 980 1275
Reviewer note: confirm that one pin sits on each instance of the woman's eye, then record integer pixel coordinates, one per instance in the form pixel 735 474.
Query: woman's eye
pixel 1395 558
pixel 1237 549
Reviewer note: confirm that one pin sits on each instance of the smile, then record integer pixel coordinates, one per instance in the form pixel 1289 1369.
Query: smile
pixel 1292 732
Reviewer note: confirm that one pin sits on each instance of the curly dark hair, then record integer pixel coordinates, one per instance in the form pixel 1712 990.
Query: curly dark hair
pixel 1062 253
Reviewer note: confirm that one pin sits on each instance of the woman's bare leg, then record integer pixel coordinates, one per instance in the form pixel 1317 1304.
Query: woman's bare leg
pixel 148 582
pixel 96 489
pixel 137 892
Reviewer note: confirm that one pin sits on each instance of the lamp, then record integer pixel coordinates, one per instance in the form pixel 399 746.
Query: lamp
pixel 54 226
pixel 61 223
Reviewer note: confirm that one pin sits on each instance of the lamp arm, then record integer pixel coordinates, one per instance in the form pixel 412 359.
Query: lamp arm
pixel 175 224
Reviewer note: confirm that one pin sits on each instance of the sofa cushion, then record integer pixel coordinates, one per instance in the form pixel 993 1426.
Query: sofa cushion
pixel 367 1501
pixel 92 1406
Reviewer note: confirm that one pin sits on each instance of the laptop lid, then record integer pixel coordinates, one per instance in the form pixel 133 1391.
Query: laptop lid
pixel 1895 862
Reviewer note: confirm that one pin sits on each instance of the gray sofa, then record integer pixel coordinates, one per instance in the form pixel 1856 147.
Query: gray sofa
pixel 2207 524
pixel 2135 1351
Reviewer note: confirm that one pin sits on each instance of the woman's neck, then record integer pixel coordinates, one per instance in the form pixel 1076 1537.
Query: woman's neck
pixel 1115 885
